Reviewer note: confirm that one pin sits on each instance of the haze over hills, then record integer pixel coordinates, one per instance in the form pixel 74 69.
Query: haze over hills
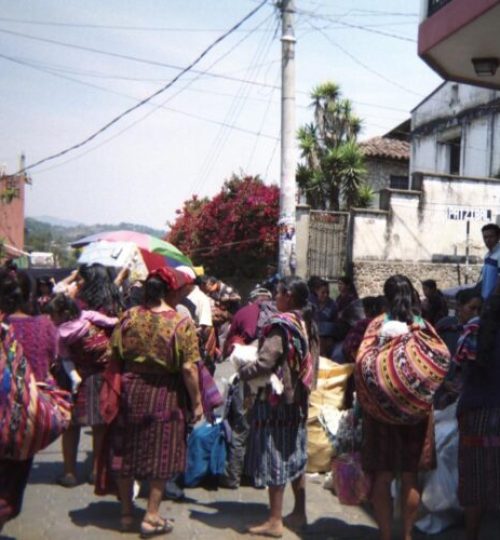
pixel 41 235
pixel 68 231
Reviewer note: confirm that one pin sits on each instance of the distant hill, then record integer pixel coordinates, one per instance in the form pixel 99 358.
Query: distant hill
pixel 42 236
pixel 50 220
pixel 67 234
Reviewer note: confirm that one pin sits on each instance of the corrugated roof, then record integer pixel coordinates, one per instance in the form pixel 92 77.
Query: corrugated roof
pixel 383 147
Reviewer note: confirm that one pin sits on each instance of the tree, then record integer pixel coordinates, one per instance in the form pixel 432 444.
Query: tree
pixel 332 170
pixel 234 233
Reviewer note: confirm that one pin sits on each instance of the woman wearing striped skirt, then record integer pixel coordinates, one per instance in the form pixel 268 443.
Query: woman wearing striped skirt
pixel 277 444
pixel 155 349
pixel 478 411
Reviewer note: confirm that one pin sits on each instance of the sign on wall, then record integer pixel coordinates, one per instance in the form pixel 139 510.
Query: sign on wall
pixel 459 213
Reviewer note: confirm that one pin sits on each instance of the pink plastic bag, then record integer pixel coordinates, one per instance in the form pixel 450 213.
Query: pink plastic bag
pixel 351 484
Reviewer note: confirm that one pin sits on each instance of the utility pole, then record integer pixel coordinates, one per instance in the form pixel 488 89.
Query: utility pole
pixel 288 190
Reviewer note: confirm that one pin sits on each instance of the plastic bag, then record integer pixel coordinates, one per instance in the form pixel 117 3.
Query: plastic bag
pixel 351 484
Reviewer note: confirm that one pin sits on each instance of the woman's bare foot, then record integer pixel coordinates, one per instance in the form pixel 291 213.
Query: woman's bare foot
pixel 272 529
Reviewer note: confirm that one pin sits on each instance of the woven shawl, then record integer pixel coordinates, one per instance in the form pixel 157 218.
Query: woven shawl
pixel 396 378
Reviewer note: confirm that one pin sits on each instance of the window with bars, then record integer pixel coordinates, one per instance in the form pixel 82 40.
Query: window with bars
pixel 399 182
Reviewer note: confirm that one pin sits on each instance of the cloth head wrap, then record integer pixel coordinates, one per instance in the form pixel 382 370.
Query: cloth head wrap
pixel 172 277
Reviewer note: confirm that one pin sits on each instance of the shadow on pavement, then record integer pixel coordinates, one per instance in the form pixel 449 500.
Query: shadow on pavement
pixel 101 514
pixel 230 515
pixel 325 528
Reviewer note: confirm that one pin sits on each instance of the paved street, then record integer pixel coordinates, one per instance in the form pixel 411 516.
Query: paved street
pixel 56 513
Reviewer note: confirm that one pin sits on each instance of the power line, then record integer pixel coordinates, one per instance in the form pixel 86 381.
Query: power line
pixel 121 94
pixel 231 116
pixel 132 58
pixel 149 98
pixel 362 64
pixel 172 66
pixel 118 27
pixel 357 26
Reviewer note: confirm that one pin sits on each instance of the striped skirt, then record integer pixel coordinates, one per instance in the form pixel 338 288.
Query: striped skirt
pixel 479 458
pixel 277 444
pixel 148 438
pixel 86 405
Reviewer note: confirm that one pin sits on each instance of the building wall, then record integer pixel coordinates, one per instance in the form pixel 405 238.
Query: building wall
pixel 417 225
pixel 379 172
pixel 12 213
pixel 457 110
pixel 369 276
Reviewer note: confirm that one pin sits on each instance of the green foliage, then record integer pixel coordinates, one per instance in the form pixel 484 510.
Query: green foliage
pixel 366 195
pixel 332 169
pixel 233 234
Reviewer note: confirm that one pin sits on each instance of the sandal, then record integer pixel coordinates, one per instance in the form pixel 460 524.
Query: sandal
pixel 164 526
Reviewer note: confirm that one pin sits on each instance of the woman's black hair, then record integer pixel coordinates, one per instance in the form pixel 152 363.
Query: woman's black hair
pixel 155 290
pixel 98 290
pixel 15 292
pixel 64 307
pixel 43 281
pixel 371 306
pixel 299 291
pixel 314 282
pixel 466 295
pixel 402 299
pixel 346 280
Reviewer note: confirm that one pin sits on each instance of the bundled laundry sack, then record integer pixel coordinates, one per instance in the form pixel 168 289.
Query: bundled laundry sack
pixel 399 367
pixel 206 452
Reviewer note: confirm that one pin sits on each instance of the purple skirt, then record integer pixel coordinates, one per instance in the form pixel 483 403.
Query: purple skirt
pixel 149 434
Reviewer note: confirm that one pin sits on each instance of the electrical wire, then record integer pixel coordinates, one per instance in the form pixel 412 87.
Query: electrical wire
pixel 118 27
pixel 121 94
pixel 231 116
pixel 356 26
pixel 150 97
pixel 363 65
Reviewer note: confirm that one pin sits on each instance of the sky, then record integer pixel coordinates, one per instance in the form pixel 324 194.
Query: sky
pixel 69 67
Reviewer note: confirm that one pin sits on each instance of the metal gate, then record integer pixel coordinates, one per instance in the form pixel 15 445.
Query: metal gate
pixel 327 251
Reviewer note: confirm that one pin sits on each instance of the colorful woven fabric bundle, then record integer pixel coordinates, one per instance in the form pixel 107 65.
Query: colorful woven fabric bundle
pixel 31 415
pixel 298 355
pixel 396 377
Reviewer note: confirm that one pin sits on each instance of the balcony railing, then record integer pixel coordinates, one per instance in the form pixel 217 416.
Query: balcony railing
pixel 436 5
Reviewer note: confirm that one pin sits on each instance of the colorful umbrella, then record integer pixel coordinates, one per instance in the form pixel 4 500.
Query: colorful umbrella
pixel 155 252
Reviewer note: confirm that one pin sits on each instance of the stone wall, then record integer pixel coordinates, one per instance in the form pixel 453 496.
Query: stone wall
pixel 369 276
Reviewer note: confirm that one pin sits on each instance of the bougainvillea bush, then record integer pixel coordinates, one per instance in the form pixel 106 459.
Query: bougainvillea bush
pixel 233 234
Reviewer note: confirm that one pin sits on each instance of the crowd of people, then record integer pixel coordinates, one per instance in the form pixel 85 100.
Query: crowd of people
pixel 130 356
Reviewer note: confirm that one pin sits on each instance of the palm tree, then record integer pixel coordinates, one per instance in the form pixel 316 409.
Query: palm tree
pixel 332 169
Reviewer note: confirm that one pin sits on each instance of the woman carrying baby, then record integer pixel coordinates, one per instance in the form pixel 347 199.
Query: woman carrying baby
pixel 277 444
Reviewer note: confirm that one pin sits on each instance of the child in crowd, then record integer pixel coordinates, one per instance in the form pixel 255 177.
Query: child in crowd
pixel 83 338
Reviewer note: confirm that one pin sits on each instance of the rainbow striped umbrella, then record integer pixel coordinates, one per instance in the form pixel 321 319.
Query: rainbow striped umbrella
pixel 155 252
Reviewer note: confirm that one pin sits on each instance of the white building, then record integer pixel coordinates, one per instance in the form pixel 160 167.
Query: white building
pixel 433 230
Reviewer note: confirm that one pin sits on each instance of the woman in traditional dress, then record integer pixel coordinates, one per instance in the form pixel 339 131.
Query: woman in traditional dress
pixel 277 444
pixel 37 337
pixel 83 341
pixel 156 349
pixel 478 412
pixel 398 444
